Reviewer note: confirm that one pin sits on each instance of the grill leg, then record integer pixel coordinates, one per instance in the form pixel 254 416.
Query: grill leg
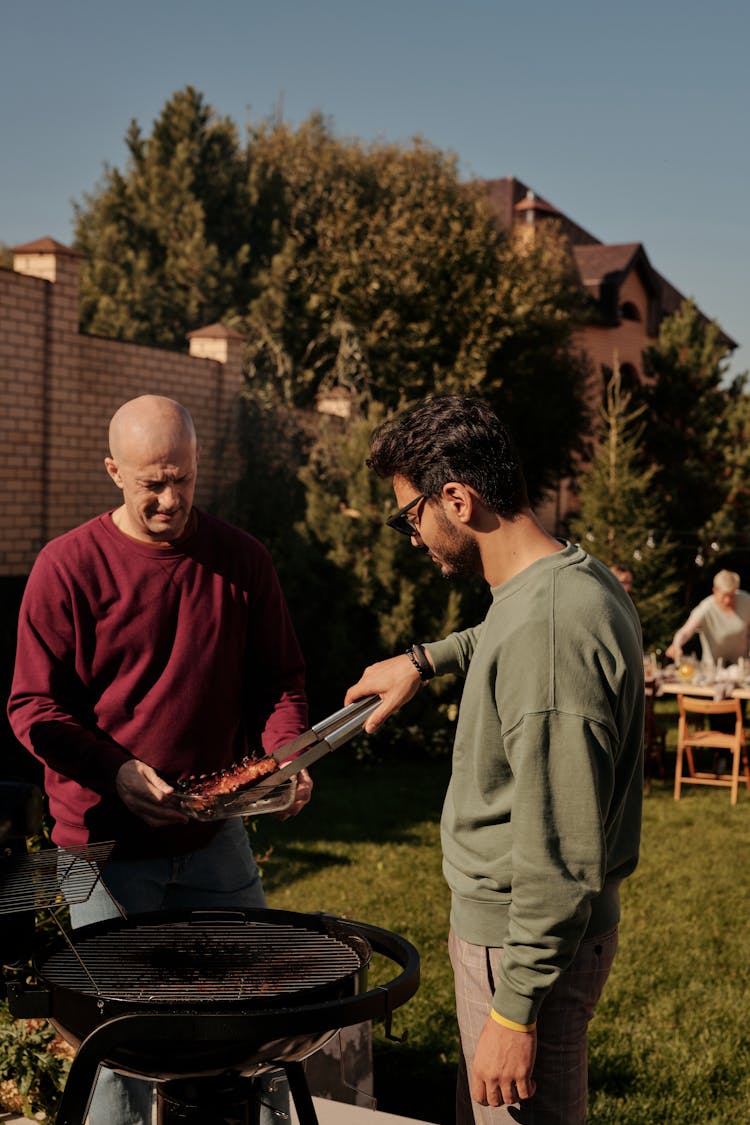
pixel 300 1092
pixel 78 1091
pixel 135 1027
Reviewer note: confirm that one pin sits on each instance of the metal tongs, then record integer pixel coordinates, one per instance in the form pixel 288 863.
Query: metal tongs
pixel 319 740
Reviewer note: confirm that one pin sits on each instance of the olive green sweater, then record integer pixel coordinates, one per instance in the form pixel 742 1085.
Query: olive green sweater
pixel 542 816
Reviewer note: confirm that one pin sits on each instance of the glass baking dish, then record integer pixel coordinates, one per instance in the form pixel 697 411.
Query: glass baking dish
pixel 245 803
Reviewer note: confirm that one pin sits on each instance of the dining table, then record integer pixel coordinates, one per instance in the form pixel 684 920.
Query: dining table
pixel 717 686
pixel 732 682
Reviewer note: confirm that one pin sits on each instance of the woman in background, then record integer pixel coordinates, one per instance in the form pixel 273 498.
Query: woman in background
pixel 721 621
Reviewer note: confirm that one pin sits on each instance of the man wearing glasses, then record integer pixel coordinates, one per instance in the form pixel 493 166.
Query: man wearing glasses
pixel 541 820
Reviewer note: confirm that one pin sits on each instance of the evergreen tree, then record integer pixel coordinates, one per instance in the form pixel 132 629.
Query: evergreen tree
pixel 620 518
pixel 687 429
pixel 385 595
pixel 164 242
pixel 725 537
pixel 535 378
pixel 358 592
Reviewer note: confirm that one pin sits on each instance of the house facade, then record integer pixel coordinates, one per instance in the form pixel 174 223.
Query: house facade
pixel 627 297
pixel 627 300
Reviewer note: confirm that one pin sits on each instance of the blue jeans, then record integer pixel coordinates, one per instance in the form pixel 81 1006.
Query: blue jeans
pixel 222 875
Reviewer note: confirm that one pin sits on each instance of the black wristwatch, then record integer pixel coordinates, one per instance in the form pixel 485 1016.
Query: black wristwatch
pixel 418 657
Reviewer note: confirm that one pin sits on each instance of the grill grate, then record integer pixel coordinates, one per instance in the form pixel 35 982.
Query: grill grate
pixel 50 878
pixel 198 963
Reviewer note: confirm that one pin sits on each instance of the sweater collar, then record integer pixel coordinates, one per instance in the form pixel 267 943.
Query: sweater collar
pixel 571 553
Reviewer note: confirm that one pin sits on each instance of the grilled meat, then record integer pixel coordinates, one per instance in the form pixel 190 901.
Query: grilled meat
pixel 240 776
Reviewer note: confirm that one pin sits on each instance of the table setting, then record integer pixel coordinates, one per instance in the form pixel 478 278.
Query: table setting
pixel 691 676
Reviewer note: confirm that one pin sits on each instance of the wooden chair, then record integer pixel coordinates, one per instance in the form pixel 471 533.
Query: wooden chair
pixel 690 738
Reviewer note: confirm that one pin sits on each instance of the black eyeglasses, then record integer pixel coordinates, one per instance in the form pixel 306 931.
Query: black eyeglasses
pixel 399 521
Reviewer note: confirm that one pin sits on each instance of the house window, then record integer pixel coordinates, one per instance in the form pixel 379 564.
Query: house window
pixel 629 311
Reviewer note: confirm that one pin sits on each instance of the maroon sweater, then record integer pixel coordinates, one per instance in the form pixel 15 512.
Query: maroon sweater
pixel 184 657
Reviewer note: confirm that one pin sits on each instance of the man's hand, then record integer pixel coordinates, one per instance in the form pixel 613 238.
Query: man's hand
pixel 147 795
pixel 396 681
pixel 503 1064
pixel 301 797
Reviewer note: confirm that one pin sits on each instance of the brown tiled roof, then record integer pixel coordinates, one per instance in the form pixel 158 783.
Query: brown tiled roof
pixel 600 264
pixel 599 260
pixel 45 246
pixel 602 270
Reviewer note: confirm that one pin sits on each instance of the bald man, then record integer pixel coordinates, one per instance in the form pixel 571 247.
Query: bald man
pixel 154 461
pixel 154 643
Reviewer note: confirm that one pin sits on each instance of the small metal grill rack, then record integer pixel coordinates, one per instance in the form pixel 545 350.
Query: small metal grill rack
pixel 49 879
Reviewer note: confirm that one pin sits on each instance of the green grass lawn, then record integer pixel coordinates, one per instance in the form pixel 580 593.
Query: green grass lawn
pixel 669 1042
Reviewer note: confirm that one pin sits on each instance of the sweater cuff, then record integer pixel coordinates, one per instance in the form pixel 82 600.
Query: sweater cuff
pixel 519 1010
pixel 444 656
pixel 103 765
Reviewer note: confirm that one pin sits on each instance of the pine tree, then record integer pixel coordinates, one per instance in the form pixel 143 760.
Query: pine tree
pixel 724 539
pixel 164 243
pixel 385 595
pixel 687 431
pixel 620 519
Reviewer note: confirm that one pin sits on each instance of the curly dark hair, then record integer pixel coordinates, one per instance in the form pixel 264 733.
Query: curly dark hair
pixel 452 438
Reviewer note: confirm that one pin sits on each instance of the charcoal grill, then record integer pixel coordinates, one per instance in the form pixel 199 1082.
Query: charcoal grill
pixel 207 995
pixel 259 964
pixel 190 997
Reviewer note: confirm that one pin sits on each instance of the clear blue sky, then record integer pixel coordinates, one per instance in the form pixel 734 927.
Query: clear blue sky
pixel 631 117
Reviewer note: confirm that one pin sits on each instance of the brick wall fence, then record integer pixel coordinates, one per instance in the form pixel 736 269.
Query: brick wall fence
pixel 59 388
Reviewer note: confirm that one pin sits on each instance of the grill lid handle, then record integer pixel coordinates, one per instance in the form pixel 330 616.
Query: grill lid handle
pixel 216 917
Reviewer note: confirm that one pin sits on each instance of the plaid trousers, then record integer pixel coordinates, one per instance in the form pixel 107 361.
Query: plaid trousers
pixel 561 1068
